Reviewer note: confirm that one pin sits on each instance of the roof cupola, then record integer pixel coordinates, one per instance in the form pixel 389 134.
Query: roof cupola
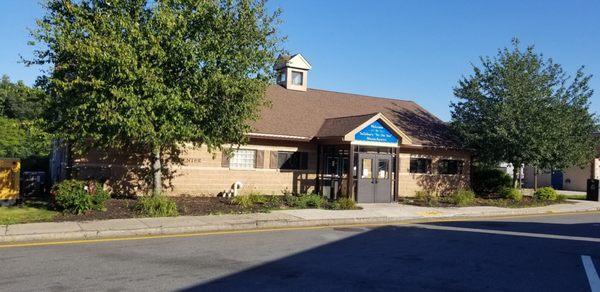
pixel 292 72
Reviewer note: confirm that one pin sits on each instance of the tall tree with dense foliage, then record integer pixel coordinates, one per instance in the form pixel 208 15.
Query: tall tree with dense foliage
pixel 522 108
pixel 19 101
pixel 21 126
pixel 156 74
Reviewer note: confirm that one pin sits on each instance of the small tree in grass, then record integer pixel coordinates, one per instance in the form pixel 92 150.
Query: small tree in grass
pixel 522 108
pixel 155 74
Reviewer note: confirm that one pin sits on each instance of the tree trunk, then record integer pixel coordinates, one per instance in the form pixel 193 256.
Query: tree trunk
pixel 535 178
pixel 515 176
pixel 156 173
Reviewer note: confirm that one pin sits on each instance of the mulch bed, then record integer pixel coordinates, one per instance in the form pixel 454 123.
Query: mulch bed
pixel 527 202
pixel 120 208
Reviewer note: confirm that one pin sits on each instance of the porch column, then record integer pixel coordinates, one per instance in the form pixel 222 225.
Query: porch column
pixel 396 173
pixel 318 178
pixel 350 186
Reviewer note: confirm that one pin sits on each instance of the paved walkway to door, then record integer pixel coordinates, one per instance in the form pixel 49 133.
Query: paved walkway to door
pixel 395 211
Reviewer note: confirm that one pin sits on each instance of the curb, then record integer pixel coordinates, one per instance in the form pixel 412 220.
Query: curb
pixel 267 224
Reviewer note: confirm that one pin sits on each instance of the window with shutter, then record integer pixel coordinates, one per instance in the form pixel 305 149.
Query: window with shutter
pixel 224 160
pixel 260 159
pixel 420 165
pixel 243 159
pixel 273 160
pixel 292 160
pixel 449 166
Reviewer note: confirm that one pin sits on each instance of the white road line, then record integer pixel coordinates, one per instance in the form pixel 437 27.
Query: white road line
pixel 591 273
pixel 502 232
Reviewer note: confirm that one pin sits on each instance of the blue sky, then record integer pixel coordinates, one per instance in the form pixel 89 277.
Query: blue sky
pixel 414 50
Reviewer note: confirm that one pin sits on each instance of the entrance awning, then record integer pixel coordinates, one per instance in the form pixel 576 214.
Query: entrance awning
pixel 371 129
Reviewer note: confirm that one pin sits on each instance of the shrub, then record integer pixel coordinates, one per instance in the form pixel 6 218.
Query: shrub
pixel 512 194
pixel 243 201
pixel 273 202
pixel 463 197
pixel 290 200
pixel 77 197
pixel 545 194
pixel 342 204
pixel 313 200
pixel 305 201
pixel 426 197
pixel 156 206
pixel 252 199
pixel 561 198
pixel 490 181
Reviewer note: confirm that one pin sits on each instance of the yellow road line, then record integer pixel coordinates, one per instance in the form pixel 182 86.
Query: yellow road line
pixel 225 232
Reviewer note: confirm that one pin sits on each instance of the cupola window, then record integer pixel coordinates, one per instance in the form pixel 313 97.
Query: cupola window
pixel 297 77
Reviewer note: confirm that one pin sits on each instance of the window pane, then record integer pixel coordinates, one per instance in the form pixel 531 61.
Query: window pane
pixel 413 165
pixel 367 168
pixel 420 165
pixel 383 169
pixel 296 78
pixel 291 160
pixel 281 77
pixel 243 158
pixel 448 166
pixel 283 159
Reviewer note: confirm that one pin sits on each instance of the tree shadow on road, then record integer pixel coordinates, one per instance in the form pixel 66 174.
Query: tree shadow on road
pixel 580 230
pixel 411 258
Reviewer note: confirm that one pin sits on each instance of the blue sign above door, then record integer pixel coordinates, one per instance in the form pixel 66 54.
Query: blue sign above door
pixel 376 132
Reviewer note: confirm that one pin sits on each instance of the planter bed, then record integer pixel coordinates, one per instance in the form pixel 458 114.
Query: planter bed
pixel 527 202
pixel 187 206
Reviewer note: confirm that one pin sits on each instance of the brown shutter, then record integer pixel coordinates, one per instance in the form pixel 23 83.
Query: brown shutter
pixel 273 160
pixel 304 160
pixel 259 159
pixel 224 160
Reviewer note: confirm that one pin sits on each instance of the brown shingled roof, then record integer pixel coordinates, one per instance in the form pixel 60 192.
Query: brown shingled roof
pixel 338 127
pixel 303 113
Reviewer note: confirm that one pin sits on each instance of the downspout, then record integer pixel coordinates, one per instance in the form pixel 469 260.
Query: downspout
pixel 318 179
pixel 535 178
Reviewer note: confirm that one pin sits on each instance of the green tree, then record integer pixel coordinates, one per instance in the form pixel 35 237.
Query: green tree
pixel 156 74
pixel 23 139
pixel 522 108
pixel 21 126
pixel 19 101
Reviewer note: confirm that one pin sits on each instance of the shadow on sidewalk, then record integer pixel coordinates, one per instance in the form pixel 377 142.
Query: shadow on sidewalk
pixel 416 259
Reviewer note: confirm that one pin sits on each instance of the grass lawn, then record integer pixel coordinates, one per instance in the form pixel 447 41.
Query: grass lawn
pixel 26 213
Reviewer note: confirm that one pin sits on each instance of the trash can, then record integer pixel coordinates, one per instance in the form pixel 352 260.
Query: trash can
pixel 592 190
pixel 33 184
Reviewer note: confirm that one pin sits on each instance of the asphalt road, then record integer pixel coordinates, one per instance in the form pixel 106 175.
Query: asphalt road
pixel 515 254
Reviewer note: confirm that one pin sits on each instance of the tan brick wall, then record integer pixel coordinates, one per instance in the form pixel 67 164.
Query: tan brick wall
pixel 440 184
pixel 200 172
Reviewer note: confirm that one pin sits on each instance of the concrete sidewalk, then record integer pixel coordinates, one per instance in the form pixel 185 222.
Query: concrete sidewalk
pixel 371 213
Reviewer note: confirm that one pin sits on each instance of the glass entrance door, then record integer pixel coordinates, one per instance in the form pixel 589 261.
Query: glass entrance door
pixel 374 179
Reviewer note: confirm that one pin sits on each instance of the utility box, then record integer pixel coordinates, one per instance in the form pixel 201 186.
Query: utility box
pixel 592 190
pixel 10 169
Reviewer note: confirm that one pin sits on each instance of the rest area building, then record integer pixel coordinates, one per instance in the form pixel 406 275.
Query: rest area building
pixel 309 140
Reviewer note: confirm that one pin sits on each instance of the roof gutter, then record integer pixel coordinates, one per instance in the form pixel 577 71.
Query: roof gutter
pixel 279 137
pixel 420 146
